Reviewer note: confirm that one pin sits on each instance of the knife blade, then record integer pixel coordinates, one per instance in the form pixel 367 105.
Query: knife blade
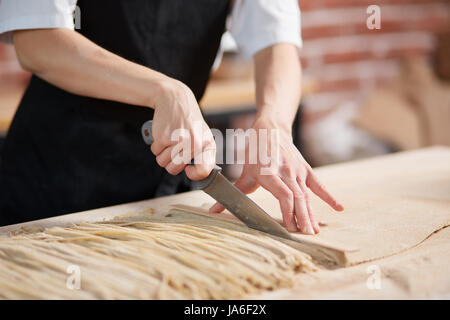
pixel 233 199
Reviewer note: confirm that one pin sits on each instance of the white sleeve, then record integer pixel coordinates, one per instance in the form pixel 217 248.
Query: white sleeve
pixel 34 14
pixel 258 24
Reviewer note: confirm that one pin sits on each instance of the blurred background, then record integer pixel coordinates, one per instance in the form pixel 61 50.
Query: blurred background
pixel 366 91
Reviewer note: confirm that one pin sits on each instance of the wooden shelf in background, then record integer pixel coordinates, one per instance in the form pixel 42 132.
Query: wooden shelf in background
pixel 234 95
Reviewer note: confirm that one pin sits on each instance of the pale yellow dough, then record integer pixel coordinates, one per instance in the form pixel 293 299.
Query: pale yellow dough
pixel 181 256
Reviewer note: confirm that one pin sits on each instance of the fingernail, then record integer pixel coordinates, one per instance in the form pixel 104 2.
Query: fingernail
pixel 292 228
pixel 309 230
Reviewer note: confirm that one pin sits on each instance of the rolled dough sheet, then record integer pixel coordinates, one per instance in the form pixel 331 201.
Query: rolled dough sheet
pixel 392 203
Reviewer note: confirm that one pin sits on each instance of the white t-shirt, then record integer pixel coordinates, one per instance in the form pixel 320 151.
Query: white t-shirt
pixel 254 24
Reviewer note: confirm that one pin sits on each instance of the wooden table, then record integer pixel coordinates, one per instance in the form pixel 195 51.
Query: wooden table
pixel 420 272
pixel 234 96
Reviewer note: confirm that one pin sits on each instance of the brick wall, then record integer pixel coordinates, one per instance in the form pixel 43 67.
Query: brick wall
pixel 346 60
pixel 341 56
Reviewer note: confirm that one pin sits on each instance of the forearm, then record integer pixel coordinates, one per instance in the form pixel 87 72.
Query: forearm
pixel 278 84
pixel 71 62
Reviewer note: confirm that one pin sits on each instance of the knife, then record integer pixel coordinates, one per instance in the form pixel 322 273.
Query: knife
pixel 233 199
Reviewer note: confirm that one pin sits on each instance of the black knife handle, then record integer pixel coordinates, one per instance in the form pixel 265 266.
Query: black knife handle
pixel 146 131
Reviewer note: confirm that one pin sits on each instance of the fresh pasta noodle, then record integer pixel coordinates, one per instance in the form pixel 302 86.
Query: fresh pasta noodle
pixel 181 256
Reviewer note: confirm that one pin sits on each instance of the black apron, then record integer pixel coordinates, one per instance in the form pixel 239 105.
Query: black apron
pixel 66 153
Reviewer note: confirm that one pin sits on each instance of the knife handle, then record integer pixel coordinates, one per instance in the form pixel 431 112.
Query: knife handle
pixel 146 132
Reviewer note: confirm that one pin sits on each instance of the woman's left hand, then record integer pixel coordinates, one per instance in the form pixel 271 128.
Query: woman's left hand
pixel 289 178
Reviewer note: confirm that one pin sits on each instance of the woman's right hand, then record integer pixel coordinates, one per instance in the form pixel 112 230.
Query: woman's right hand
pixel 176 109
pixel 70 61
